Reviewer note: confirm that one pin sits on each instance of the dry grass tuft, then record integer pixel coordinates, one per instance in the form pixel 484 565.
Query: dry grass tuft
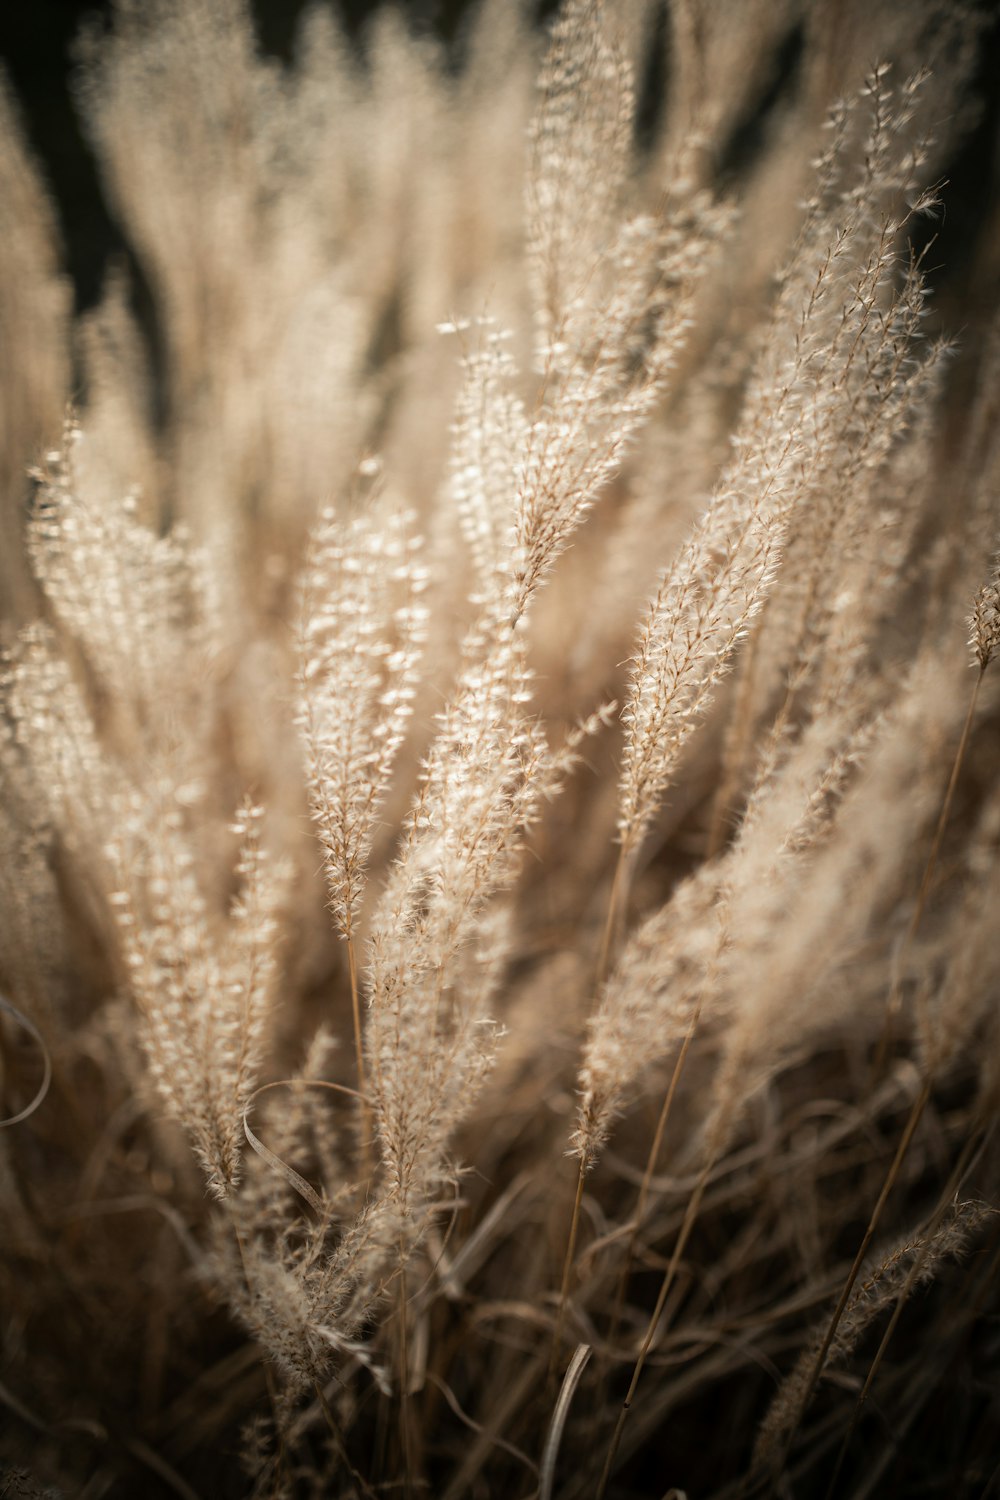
pixel 341 904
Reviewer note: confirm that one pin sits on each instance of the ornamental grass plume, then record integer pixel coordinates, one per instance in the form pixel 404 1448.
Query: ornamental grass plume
pixel 455 386
pixel 873 1294
pixel 361 637
pixel 932 1050
pixel 985 620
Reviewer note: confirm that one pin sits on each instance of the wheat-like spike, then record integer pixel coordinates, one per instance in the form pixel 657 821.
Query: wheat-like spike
pixel 599 392
pixel 489 434
pixel 251 955
pixel 585 114
pixel 305 1284
pixel 650 994
pixel 268 1297
pixel 306 1289
pixel 832 391
pixel 53 731
pixel 139 604
pixel 672 967
pixel 428 1045
pixel 613 299
pixel 694 624
pixel 32 935
pixel 438 938
pixel 985 620
pixel 204 989
pixel 362 631
pixel 835 554
pixel 872 1294
pixel 361 637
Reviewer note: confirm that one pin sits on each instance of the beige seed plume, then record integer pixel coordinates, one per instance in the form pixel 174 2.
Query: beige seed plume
pixel 985 619
pixel 361 638
pixel 872 1296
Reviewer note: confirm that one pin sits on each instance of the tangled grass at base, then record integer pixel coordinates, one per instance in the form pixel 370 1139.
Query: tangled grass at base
pixel 499 753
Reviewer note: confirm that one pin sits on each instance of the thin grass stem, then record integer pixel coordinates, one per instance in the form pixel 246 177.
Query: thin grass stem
pixel 616 909
pixel 915 1116
pixel 567 1270
pixel 690 1216
pixel 359 1060
pixel 650 1170
pixel 973 1149
pixel 361 1486
pixel 405 1413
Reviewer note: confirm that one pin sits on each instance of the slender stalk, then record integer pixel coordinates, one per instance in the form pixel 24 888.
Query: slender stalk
pixel 972 1148
pixel 359 1058
pixel 567 1270
pixel 651 1164
pixel 616 906
pixel 919 1105
pixel 359 1051
pixel 916 1113
pixel 925 884
pixel 668 1280
pixel 280 1457
pixel 361 1487
pixel 661 1124
pixel 741 724
pixel 404 1382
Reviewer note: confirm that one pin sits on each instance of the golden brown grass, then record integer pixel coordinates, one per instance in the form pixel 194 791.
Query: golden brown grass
pixel 498 950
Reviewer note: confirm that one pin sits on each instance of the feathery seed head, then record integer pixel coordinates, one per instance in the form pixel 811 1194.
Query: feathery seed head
pixel 985 620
